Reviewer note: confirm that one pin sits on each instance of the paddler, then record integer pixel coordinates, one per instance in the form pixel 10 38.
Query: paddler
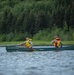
pixel 28 43
pixel 57 42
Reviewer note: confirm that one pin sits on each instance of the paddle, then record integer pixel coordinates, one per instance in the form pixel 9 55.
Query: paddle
pixel 28 47
pixel 33 49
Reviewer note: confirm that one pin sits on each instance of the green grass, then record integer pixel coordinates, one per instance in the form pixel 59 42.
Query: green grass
pixel 35 43
pixel 10 43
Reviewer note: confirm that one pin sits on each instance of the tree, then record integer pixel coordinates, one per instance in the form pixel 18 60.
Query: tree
pixel 72 16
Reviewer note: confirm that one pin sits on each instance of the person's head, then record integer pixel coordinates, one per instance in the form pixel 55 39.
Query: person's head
pixel 55 36
pixel 27 38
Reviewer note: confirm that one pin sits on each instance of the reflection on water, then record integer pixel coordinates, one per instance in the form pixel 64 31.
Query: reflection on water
pixel 37 63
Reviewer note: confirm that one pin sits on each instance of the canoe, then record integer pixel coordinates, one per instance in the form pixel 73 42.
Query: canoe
pixel 37 48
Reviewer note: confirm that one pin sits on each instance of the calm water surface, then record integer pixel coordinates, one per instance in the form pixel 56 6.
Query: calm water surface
pixel 36 63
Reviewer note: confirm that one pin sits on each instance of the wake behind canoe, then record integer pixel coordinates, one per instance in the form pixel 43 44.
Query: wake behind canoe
pixel 37 48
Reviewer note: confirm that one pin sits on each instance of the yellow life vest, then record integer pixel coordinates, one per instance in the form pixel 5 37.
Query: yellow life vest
pixel 28 44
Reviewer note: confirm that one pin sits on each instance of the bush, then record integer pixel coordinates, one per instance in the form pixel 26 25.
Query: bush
pixel 2 37
pixel 10 36
pixel 48 35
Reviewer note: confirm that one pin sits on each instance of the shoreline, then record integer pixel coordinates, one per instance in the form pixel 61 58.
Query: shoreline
pixel 36 43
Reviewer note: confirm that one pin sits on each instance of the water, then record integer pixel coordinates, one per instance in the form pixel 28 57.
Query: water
pixel 36 63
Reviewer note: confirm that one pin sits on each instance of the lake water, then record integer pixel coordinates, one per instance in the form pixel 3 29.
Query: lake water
pixel 36 63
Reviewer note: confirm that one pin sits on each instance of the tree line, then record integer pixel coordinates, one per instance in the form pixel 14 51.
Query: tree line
pixel 30 16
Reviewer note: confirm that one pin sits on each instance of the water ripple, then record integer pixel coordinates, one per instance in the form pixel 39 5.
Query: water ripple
pixel 37 63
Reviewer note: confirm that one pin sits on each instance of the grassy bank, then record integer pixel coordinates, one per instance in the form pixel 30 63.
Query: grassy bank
pixel 35 43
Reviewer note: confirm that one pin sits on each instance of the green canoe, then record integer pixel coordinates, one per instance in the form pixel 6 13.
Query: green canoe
pixel 37 48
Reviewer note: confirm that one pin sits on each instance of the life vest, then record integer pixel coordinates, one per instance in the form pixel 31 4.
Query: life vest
pixel 27 43
pixel 57 43
pixel 58 39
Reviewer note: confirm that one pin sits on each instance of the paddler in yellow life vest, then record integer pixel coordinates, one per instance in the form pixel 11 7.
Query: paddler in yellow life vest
pixel 28 43
pixel 57 42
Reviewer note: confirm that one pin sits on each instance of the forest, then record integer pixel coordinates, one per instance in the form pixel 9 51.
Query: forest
pixel 38 19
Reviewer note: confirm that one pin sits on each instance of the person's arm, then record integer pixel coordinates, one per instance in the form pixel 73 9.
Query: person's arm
pixel 31 43
pixel 23 44
pixel 53 41
pixel 61 44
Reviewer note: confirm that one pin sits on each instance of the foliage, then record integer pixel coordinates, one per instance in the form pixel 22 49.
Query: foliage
pixel 36 17
pixel 47 35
